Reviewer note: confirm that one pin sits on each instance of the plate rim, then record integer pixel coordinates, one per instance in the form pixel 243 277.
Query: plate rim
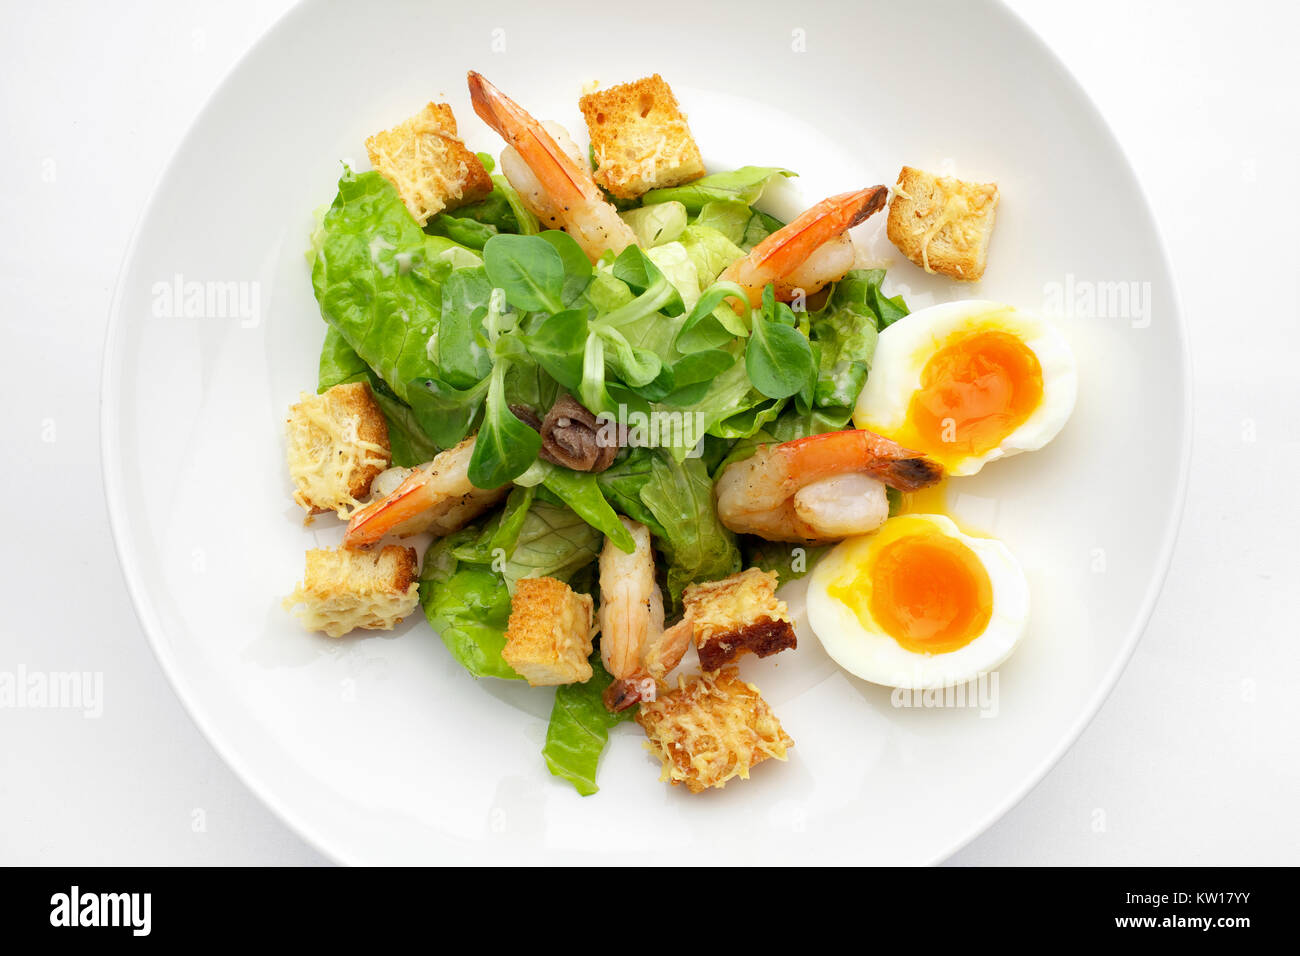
pixel 111 470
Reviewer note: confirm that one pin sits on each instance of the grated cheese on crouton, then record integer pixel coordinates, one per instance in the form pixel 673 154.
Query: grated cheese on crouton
pixel 942 224
pixel 640 138
pixel 343 590
pixel 548 638
pixel 428 163
pixel 736 615
pixel 337 444
pixel 711 729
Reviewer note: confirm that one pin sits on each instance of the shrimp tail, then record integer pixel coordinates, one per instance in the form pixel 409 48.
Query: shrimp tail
pixel 907 474
pixel 856 449
pixel 375 520
pixel 539 150
pixel 622 694
pixel 792 244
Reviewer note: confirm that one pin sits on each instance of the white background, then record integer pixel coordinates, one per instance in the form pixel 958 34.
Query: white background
pixel 1194 759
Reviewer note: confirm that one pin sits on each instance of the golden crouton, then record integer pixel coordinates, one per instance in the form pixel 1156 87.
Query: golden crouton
pixel 548 639
pixel 738 614
pixel 346 589
pixel 640 138
pixel 710 729
pixel 338 443
pixel 942 224
pixel 428 163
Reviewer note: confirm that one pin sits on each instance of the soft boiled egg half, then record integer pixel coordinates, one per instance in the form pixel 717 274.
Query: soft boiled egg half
pixel 918 604
pixel 968 382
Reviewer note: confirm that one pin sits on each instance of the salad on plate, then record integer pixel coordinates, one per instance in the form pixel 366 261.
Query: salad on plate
pixel 617 404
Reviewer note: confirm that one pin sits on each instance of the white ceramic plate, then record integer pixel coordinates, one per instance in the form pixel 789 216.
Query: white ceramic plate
pixel 379 749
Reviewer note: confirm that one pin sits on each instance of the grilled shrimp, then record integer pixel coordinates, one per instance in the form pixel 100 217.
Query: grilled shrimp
pixel 634 647
pixel 556 186
pixel 811 251
pixel 437 496
pixel 820 488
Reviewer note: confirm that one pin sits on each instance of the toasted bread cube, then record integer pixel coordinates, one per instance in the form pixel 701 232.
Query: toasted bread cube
pixel 942 224
pixel 640 138
pixel 736 615
pixel 428 163
pixel 337 444
pixel 343 590
pixel 712 728
pixel 548 638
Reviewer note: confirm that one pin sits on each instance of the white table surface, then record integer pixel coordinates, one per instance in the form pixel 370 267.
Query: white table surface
pixel 1195 758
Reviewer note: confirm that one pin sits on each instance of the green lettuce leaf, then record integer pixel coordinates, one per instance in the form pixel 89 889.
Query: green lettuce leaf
pixel 465 587
pixel 679 494
pixel 552 542
pixel 581 492
pixel 711 252
pixel 579 729
pixel 622 482
pixel 789 561
pixel 408 442
pixel 468 605
pixel 740 185
pixel 378 279
pixel 654 225
pixel 844 334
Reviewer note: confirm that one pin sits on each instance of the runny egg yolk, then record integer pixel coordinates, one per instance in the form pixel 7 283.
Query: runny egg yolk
pixel 975 391
pixel 928 591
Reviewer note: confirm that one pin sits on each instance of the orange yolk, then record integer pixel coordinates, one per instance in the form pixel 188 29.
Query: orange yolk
pixel 974 393
pixel 927 591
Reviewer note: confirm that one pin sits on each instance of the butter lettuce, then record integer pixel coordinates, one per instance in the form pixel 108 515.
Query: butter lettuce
pixel 674 499
pixel 743 226
pixel 655 225
pixel 378 279
pixel 468 576
pixel 843 333
pixel 710 250
pixel 579 729
pixel 339 364
pixel 468 605
pixel 740 185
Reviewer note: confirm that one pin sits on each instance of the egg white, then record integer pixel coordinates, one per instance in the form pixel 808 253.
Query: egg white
pixel 877 657
pixel 904 348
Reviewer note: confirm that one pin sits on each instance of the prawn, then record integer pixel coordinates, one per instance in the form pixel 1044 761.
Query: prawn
pixel 556 186
pixel 437 496
pixel 809 253
pixel 820 488
pixel 634 647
